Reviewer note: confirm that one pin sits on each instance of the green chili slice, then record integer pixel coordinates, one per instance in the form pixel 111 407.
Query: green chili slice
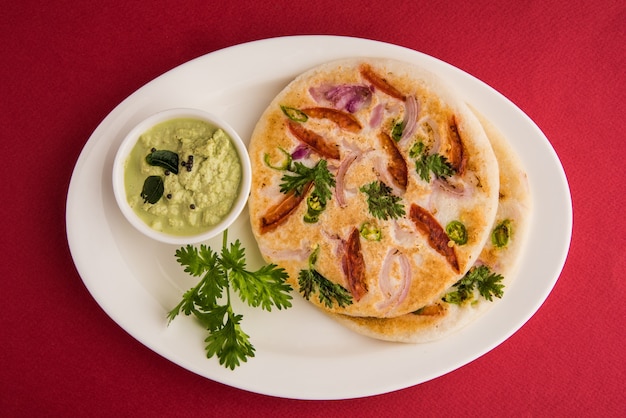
pixel 457 232
pixel 294 114
pixel 314 208
pixel 286 163
pixel 501 234
pixel 370 231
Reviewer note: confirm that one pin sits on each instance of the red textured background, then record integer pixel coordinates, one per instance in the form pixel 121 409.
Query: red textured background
pixel 66 64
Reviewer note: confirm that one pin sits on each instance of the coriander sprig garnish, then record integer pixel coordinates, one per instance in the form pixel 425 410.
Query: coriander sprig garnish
pixel 426 163
pixel 210 299
pixel 381 202
pixel 311 281
pixel 483 279
pixel 299 176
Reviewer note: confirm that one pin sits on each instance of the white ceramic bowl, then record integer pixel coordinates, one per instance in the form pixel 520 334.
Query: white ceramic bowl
pixel 129 142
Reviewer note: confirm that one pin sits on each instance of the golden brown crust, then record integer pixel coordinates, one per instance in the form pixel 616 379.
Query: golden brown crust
pixel 360 157
pixel 440 319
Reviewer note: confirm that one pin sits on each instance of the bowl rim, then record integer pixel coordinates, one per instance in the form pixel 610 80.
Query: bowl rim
pixel 129 142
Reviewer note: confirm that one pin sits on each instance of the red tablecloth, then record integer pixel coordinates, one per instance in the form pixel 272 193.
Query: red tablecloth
pixel 66 65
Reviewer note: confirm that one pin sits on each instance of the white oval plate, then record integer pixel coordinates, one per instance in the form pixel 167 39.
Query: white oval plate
pixel 300 353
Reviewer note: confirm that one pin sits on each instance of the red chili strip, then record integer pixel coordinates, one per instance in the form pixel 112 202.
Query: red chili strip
pixel 396 165
pixel 280 212
pixel 457 156
pixel 380 83
pixel 344 120
pixel 426 223
pixel 354 265
pixel 315 141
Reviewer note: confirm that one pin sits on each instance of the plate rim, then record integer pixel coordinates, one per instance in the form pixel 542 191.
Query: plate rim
pixel 407 381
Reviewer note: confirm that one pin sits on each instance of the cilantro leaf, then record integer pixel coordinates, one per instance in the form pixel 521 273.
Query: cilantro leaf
pixel 210 300
pixel 212 318
pixel 265 287
pixel 296 178
pixel 396 131
pixel 489 284
pixel 483 279
pixel 208 290
pixel 187 305
pixel 196 261
pixel 300 176
pixel 230 344
pixel 439 165
pixel 381 202
pixel 310 281
pixel 426 163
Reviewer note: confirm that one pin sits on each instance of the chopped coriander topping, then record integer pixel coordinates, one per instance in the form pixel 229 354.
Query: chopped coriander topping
pixel 426 163
pixel 382 203
pixel 397 130
pixel 483 279
pixel 311 281
pixel 298 176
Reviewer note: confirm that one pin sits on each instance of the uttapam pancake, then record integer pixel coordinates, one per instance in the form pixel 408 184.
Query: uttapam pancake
pixel 500 255
pixel 358 167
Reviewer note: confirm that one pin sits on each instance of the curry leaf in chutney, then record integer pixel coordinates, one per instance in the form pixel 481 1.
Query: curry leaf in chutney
pixel 164 158
pixel 153 188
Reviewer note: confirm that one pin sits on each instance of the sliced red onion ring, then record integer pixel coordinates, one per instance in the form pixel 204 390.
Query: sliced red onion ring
pixel 410 118
pixel 402 234
pixel 405 266
pixel 348 97
pixel 340 178
pixel 298 254
pixel 457 188
pixel 384 277
pixel 377 115
pixel 395 294
pixel 338 241
pixel 449 187
pixel 301 151
pixel 380 166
